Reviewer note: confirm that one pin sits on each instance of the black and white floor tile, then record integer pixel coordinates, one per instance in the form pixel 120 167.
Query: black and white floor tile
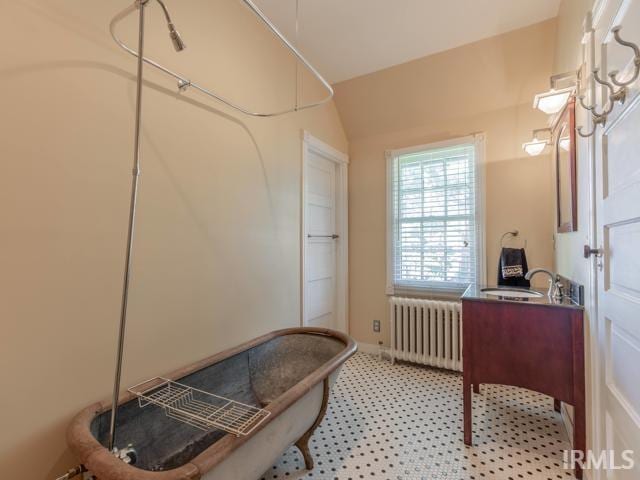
pixel 404 422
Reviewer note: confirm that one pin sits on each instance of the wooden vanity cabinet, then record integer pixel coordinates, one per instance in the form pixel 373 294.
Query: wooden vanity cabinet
pixel 538 347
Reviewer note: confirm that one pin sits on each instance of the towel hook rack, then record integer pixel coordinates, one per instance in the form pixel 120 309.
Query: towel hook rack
pixel 616 95
pixel 184 83
pixel 511 233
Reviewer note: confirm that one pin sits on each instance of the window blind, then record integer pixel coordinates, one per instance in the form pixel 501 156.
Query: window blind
pixel 434 238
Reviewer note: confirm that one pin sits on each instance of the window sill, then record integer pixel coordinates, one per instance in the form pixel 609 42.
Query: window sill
pixel 453 294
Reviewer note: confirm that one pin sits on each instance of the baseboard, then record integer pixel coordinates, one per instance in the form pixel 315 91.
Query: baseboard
pixel 371 349
pixel 567 421
pixel 379 351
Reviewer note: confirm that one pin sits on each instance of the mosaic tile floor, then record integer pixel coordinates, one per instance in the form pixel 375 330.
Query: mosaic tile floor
pixel 404 422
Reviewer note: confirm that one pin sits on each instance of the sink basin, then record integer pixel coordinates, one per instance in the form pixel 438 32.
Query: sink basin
pixel 512 292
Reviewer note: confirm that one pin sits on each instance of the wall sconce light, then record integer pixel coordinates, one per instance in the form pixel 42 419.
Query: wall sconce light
pixel 536 146
pixel 554 100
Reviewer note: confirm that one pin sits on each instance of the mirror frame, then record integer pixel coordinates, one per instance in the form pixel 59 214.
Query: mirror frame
pixel 566 117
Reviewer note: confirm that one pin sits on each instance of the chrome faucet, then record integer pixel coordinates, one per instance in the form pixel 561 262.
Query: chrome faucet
pixel 555 285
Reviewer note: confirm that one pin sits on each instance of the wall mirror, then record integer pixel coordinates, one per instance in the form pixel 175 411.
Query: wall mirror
pixel 564 151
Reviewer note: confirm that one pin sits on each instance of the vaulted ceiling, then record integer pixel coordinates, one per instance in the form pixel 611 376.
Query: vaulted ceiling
pixel 349 38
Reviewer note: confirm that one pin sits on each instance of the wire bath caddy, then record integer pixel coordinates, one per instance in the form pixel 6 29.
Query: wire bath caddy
pixel 198 408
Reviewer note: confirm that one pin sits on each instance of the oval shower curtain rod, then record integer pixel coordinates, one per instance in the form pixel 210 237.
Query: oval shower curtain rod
pixel 184 82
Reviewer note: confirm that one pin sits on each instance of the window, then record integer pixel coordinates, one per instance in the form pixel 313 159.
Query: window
pixel 435 228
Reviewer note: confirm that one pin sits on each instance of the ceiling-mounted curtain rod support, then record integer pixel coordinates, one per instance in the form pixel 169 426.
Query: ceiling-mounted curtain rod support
pixel 184 82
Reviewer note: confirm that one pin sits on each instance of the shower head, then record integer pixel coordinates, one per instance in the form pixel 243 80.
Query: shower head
pixel 178 43
pixel 176 39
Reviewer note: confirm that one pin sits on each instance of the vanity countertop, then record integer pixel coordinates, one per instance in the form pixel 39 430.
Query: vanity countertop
pixel 475 293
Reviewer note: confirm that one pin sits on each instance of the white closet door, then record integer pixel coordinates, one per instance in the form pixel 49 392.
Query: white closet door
pixel 320 262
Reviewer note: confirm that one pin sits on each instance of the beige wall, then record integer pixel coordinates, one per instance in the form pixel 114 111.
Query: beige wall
pixel 487 87
pixel 568 257
pixel 217 249
pixel 567 52
pixel 567 57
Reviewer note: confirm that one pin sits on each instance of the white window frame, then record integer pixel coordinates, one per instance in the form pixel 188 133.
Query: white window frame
pixel 479 141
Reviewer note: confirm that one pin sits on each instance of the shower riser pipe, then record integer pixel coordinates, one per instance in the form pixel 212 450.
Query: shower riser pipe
pixel 131 227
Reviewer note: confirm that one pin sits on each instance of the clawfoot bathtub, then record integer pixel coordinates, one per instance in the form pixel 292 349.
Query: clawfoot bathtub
pixel 287 372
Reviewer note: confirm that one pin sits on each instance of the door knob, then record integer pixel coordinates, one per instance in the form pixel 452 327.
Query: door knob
pixel 588 251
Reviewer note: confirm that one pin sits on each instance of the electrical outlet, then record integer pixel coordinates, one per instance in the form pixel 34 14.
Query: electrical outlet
pixel 376 326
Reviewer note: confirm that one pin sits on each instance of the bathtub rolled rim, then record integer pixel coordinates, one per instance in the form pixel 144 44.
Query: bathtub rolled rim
pixel 97 459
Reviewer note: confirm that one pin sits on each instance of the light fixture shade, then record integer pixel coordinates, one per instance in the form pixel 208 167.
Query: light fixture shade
pixel 535 147
pixel 552 101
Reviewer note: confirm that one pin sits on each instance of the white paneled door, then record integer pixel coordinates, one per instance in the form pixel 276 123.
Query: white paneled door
pixel 324 288
pixel 618 220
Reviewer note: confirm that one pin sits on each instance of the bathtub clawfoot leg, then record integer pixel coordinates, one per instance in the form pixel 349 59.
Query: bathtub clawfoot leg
pixel 303 446
pixel 303 441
